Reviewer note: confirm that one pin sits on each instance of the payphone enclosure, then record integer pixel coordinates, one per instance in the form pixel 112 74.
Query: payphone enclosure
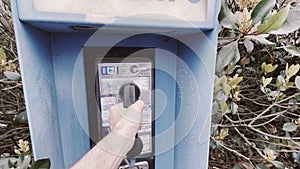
pixel 122 66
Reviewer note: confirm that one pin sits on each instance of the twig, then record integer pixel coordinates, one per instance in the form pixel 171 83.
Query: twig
pixel 255 118
pixel 231 150
pixel 293 114
pixel 272 105
pixel 274 118
pixel 270 135
pixel 9 88
pixel 7 81
pixel 231 125
pixel 250 144
pixel 260 104
pixel 11 132
pixel 295 148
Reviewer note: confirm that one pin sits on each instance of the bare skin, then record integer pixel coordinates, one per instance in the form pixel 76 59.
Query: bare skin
pixel 110 151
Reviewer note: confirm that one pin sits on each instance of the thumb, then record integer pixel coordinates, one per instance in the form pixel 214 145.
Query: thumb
pixel 138 105
pixel 131 119
pixel 134 112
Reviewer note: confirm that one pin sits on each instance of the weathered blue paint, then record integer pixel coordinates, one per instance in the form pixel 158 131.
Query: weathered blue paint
pixel 62 22
pixel 50 60
pixel 34 51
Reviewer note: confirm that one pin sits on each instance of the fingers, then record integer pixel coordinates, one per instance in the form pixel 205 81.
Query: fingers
pixel 115 114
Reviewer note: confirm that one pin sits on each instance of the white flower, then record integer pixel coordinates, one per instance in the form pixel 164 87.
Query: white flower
pixel 247 3
pixel 23 147
pixel 270 154
pixel 17 151
pixel 245 22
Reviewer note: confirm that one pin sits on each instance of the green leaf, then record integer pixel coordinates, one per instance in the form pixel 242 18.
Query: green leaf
pixel 224 107
pixel 268 68
pixel 220 95
pixel 41 164
pixel 226 17
pixel 21 157
pixel 289 84
pixel 280 80
pixel 223 79
pixel 25 163
pixel 266 81
pixel 261 10
pixel 297 97
pixel 277 164
pixel 293 50
pixel 291 24
pixel 292 70
pixel 10 164
pixel 260 166
pixel 3 57
pixel 249 45
pixel 297 158
pixel 227 54
pixel 289 127
pixel 7 162
pixel 215 108
pixel 234 108
pixel 22 117
pixel 226 89
pixel 15 76
pixel 235 81
pixel 262 40
pixel 236 167
pixel 276 21
pixel 297 82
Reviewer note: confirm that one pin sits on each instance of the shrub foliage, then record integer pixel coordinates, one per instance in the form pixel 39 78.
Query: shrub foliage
pixel 256 114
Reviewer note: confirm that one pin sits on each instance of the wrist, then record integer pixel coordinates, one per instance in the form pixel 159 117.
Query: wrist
pixel 126 129
pixel 115 144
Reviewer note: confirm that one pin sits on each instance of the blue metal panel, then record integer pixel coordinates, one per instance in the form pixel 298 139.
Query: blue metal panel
pixel 56 20
pixel 195 105
pixel 202 63
pixel 39 90
pixel 75 140
pixel 48 21
pixel 165 87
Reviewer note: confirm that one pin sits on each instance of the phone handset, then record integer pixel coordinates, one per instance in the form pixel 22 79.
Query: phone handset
pixel 129 94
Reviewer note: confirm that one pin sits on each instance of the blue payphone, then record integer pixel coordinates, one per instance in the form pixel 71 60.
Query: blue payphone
pixel 71 54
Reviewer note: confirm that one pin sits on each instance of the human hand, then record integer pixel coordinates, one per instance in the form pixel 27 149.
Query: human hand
pixel 109 152
pixel 126 121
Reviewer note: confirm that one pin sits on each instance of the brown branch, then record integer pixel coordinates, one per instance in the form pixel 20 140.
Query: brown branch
pixel 250 143
pixel 231 150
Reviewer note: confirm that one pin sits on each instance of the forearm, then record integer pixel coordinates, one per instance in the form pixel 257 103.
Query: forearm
pixel 108 153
